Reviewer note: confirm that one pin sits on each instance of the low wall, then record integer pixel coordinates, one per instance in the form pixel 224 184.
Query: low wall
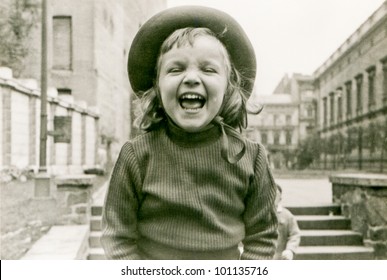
pixel 20 126
pixel 363 199
pixel 74 198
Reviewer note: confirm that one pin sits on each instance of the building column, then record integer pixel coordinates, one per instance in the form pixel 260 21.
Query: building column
pixel 32 130
pixel 384 83
pixel 50 140
pixel 7 127
pixel 83 141
pixel 70 111
pixel 97 139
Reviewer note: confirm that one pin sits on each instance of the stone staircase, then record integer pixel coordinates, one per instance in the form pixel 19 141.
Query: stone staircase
pixel 96 252
pixel 326 235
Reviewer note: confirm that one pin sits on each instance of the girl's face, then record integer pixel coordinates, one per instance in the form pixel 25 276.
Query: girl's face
pixel 192 82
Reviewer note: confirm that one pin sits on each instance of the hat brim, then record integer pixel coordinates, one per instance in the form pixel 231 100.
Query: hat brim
pixel 146 45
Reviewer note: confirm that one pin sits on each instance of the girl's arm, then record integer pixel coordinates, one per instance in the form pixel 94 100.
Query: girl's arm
pixel 260 214
pixel 119 219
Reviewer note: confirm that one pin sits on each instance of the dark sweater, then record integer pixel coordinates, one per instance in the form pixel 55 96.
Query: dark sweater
pixel 172 196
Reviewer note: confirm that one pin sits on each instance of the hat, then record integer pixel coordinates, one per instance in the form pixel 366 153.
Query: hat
pixel 146 45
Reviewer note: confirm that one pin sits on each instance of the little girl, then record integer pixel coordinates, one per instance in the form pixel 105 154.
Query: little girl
pixel 191 187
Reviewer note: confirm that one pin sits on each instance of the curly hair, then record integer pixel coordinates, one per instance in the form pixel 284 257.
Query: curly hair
pixel 150 113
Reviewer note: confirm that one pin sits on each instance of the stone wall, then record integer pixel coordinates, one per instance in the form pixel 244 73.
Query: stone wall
pixel 74 198
pixel 363 199
pixel 20 126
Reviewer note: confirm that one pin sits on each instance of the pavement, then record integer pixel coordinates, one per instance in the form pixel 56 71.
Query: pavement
pixel 305 192
pixel 296 192
pixel 67 242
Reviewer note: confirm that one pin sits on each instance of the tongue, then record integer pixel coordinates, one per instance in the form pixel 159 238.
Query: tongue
pixel 191 104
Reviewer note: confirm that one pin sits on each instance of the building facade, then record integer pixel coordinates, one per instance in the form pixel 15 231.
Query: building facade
pixel 88 44
pixel 343 105
pixel 352 99
pixel 288 116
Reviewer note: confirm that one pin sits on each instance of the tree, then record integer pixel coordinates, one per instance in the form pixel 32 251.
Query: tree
pixel 308 151
pixel 16 22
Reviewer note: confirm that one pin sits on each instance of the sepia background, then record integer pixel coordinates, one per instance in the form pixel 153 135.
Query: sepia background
pixel 322 80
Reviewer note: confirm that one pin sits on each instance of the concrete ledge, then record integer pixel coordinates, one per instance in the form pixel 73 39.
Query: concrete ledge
pixel 75 180
pixel 364 180
pixel 61 243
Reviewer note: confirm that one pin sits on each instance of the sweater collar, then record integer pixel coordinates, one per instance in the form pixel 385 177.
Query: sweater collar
pixel 192 139
pixel 217 129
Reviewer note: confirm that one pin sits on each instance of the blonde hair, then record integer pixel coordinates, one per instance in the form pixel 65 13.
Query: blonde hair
pixel 151 115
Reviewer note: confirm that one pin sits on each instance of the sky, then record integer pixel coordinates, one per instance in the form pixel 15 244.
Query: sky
pixel 292 36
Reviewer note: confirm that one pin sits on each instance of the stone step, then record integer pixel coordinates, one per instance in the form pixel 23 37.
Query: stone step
pixel 96 210
pixel 94 239
pixel 323 222
pixel 96 223
pixel 331 209
pixel 96 254
pixel 334 253
pixel 330 238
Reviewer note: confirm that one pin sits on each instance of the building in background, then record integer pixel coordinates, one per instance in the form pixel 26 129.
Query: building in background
pixel 340 111
pixel 352 99
pixel 88 44
pixel 288 117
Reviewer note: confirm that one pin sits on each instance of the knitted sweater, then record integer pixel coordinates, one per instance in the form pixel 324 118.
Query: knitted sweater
pixel 172 196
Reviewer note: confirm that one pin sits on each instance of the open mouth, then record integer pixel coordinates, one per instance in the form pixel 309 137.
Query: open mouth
pixel 192 101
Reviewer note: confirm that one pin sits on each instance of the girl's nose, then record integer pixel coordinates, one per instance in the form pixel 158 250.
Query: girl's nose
pixel 191 78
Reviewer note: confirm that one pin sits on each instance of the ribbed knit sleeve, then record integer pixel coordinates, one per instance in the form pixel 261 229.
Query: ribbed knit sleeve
pixel 119 220
pixel 260 215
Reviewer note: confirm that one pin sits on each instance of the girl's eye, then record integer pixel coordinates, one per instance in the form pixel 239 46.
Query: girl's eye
pixel 175 70
pixel 209 70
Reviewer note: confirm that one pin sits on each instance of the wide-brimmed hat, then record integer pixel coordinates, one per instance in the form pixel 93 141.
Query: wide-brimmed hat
pixel 146 45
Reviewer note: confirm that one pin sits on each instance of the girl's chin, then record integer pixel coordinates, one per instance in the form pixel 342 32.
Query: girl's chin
pixel 194 128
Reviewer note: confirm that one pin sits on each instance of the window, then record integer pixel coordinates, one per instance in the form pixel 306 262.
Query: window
pixel 384 63
pixel 275 120
pixel 62 42
pixel 348 90
pixel 359 86
pixel 288 120
pixel 309 111
pixel 288 137
pixel 332 108
pixel 371 86
pixel 325 111
pixel 339 104
pixel 264 138
pixel 276 138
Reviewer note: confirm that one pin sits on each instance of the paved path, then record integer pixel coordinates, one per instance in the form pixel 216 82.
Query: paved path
pixel 305 192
